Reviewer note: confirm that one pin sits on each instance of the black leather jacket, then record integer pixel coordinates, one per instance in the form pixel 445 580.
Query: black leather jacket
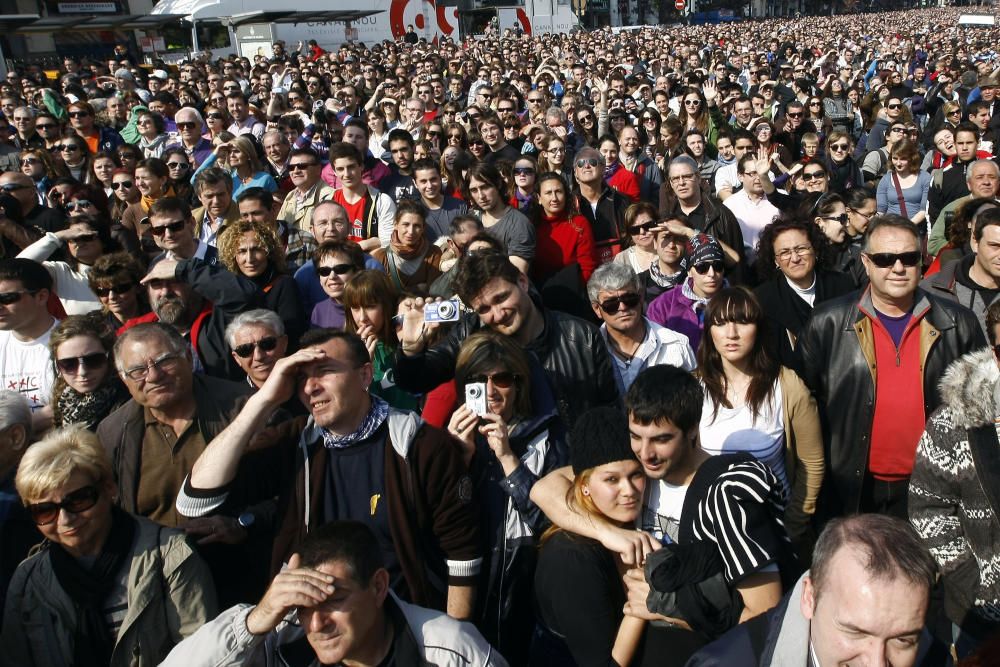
pixel 835 346
pixel 570 351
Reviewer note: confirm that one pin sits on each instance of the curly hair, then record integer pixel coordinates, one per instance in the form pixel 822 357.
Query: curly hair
pixel 229 243
pixel 766 262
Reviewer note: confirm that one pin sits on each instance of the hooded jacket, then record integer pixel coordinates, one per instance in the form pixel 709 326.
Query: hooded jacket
pixel 952 282
pixel 955 491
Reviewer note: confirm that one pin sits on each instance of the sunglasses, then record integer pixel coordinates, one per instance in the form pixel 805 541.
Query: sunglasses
pixel 78 114
pixel 215 116
pixel 28 162
pixel 339 269
pixel 893 106
pixel 301 166
pixel 70 365
pixel 45 126
pixel 8 298
pixel 794 115
pixel 501 380
pixel 692 103
pixel 69 148
pixel 587 162
pixel 839 148
pixel 887 260
pixel 635 230
pixel 120 288
pixel 74 502
pixel 612 305
pixel 523 171
pixel 267 344
pixel 178 165
pixel 703 268
pixel 898 129
pixel 813 176
pixel 842 218
pixel 122 185
pixel 84 238
pixel 172 227
pixel 78 204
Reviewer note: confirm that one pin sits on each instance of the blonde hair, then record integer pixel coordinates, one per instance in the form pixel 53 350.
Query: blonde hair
pixel 50 462
pixel 246 146
pixel 576 499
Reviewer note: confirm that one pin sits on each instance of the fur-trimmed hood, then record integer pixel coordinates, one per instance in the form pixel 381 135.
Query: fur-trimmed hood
pixel 968 387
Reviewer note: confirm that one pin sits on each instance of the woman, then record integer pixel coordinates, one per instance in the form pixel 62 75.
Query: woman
pixel 553 156
pixel 640 222
pixel 57 603
pixel 634 159
pixel 455 135
pixel 179 166
pixel 793 256
pixel 903 190
pixel 76 157
pixel 763 133
pixel 814 112
pixel 451 178
pixel 586 126
pixel 845 174
pixel 240 155
pixel 563 237
pixel 252 249
pixel 683 310
pixel 477 147
pixel 829 213
pixel 649 128
pixel 696 114
pixel 525 176
pixel 104 166
pixel 216 120
pixel 753 404
pixel 838 110
pixel 370 304
pixel 152 178
pixel 126 194
pixel 128 156
pixel 411 261
pixel 615 174
pixel 378 131
pixel 670 240
pixel 114 278
pixel 943 153
pixel 87 388
pixel 336 262
pixel 152 134
pixel 84 240
pixel 38 165
pixel 520 437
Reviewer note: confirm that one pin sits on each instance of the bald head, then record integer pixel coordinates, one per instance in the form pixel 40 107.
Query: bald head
pixel 25 193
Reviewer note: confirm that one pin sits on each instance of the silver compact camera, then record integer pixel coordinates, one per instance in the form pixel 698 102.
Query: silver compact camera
pixel 442 311
pixel 475 398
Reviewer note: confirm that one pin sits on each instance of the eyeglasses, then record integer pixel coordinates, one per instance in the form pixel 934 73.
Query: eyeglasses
pixel 501 380
pixel 813 176
pixel 8 298
pixel 120 288
pixel 635 230
pixel 77 114
pixel 70 365
pixel 524 171
pixel 703 267
pixel 122 185
pixel 839 148
pixel 166 362
pixel 587 162
pixel 799 251
pixel 185 125
pixel 339 269
pixel 267 344
pixel 614 304
pixel 172 227
pixel 69 148
pixel 898 130
pixel 74 502
pixel 887 260
pixel 300 166
pixel 866 216
pixel 842 218
pixel 681 178
pixel 179 165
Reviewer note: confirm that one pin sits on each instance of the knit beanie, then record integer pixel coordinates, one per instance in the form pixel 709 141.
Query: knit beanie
pixel 599 436
pixel 704 249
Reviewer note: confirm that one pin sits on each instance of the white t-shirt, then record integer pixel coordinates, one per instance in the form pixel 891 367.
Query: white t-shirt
pixel 26 367
pixel 661 514
pixel 736 430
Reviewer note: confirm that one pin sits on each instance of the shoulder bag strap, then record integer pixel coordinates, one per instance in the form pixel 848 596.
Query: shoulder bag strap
pixel 899 196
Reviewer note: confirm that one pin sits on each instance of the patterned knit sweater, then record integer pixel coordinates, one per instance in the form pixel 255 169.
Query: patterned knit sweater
pixel 949 504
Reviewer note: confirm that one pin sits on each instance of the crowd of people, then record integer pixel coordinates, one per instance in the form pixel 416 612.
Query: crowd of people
pixel 659 347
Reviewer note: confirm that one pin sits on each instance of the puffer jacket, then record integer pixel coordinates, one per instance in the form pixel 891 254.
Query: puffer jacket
pixel 569 349
pixel 955 492
pixel 170 596
pixel 837 349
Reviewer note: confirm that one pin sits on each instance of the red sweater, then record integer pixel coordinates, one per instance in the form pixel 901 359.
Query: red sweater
pixel 560 242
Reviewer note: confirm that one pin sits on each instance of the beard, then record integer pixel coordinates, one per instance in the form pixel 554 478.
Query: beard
pixel 171 310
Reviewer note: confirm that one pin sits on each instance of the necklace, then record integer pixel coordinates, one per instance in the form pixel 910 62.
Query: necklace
pixel 627 357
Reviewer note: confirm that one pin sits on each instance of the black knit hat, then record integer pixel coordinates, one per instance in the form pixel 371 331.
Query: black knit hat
pixel 599 436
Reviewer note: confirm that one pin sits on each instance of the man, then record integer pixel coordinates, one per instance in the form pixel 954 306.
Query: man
pixel 338 586
pixel 463 229
pixel 356 133
pixel 243 122
pixel 633 341
pixel 953 502
pixel 356 459
pixel 727 178
pixel 370 212
pixel 906 338
pixel 863 602
pixel 491 129
pixel 257 340
pixel 603 206
pixel 979 116
pixel 398 184
pixel 441 208
pixel 568 349
pixel 298 245
pixel 214 188
pixel 304 168
pixel 487 191
pixel 173 230
pixel 98 138
pixel 155 438
pixel 750 206
pixel 982 178
pixel 682 193
pixel 18 532
pixel 951 182
pixel 742 112
pixel 25 327
pixel 22 188
pixel 973 280
pixel 876 162
pixel 793 127
pixel 277 148
pixel 190 126
pixel 24 124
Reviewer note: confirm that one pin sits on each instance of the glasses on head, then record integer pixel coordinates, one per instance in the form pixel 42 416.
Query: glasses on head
pixel 172 227
pixel 635 230
pixel 74 502
pixel 339 269
pixel 799 251
pixel 524 171
pixel 165 362
pixel 703 267
pixel 501 380
pixel 8 298
pixel 300 166
pixel 121 185
pixel 69 148
pixel 813 176
pixel 120 288
pixel 887 260
pixel 266 344
pixel 70 365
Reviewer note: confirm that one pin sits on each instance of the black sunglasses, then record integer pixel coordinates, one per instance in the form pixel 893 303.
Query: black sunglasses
pixel 120 288
pixel 74 502
pixel 703 267
pixel 8 298
pixel 635 230
pixel 887 260
pixel 173 227
pixel 611 306
pixel 502 380
pixel 267 344
pixel 813 176
pixel 122 185
pixel 70 365
pixel 842 218
pixel 339 269
pixel 587 162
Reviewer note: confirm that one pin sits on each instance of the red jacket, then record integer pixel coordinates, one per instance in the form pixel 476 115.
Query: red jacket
pixel 625 182
pixel 560 242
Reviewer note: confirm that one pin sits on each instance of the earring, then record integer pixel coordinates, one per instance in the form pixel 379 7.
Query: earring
pixel 586 492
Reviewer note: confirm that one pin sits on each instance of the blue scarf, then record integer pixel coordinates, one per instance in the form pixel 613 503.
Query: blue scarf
pixel 376 416
pixel 612 170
